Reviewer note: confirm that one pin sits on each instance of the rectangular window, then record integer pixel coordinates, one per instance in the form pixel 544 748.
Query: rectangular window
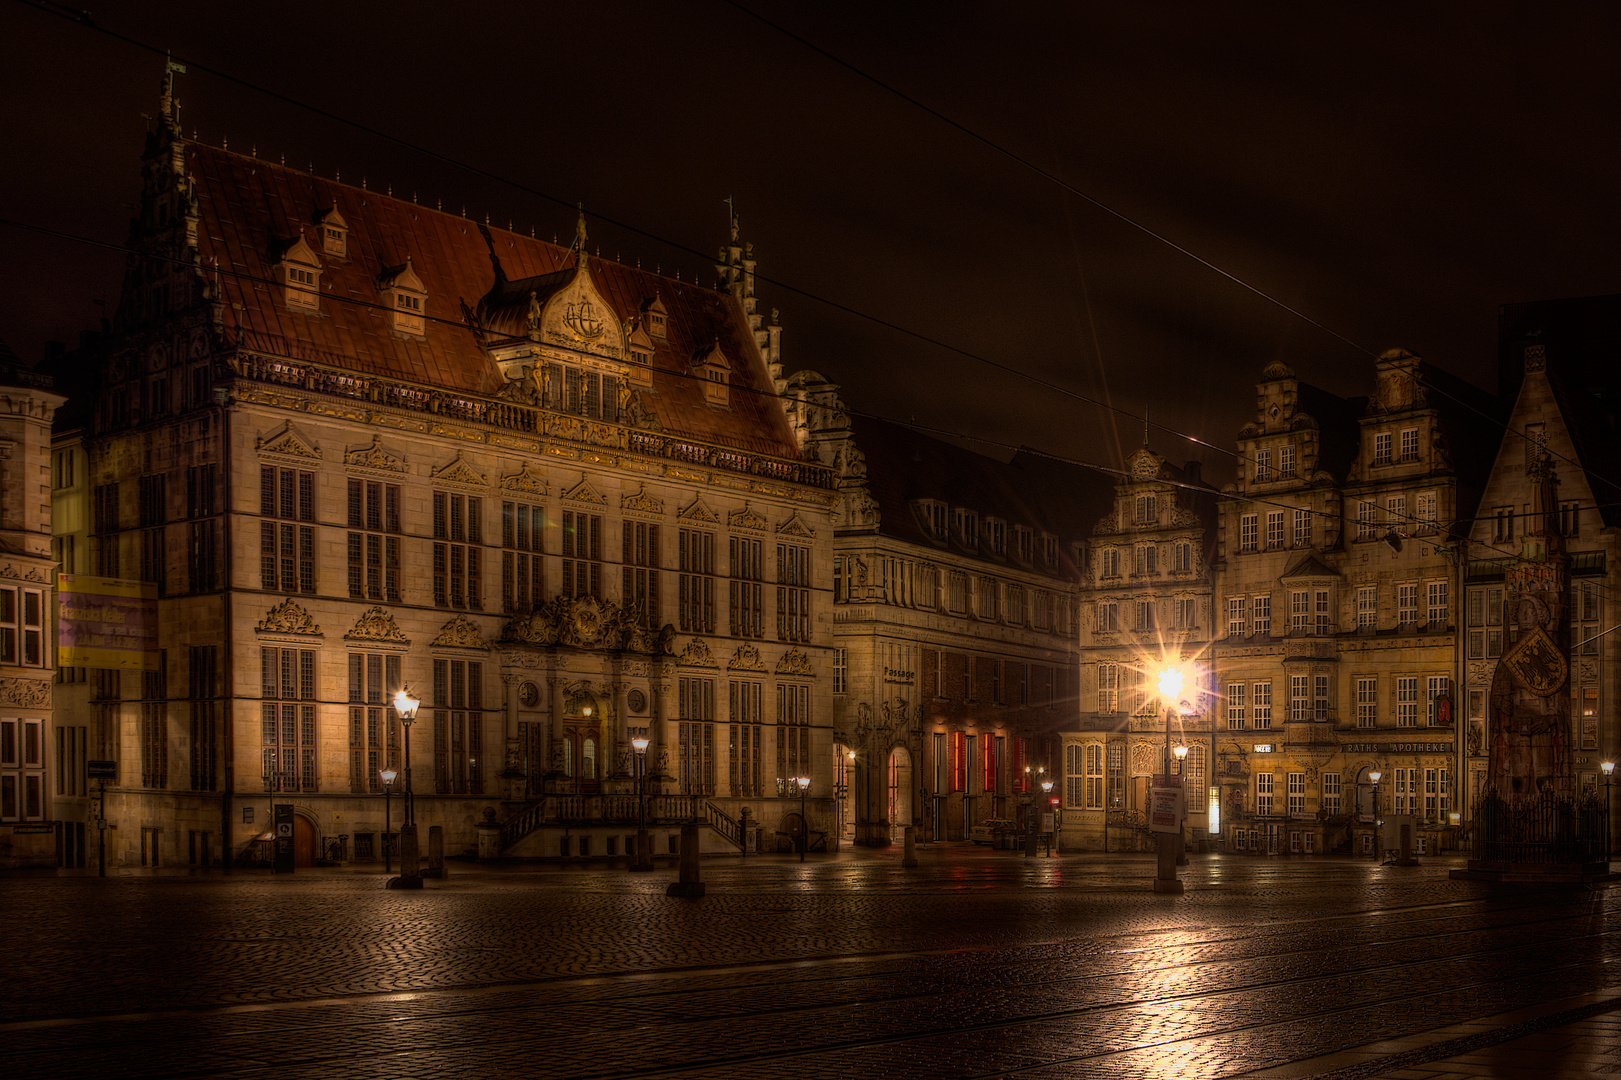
pixel 287 735
pixel 1108 617
pixel 987 593
pixel 204 688
pixel 155 726
pixel 793 592
pixel 1570 525
pixel 374 726
pixel 1108 688
pixel 1367 607
pixel 1367 519
pixel 1261 615
pixel 695 592
pixel 841 677
pixel 1331 793
pixel 1237 719
pixel 1094 777
pixel 1263 794
pixel 1147 559
pixel 1109 562
pixel 1261 704
pixel 373 540
pixel 1436 606
pixel 1407 606
pixel 582 555
pixel 523 528
pixel 1299 697
pixel 1322 612
pixel 1302 528
pixel 1248 529
pixel 458 551
pixel 1147 510
pixel 105 523
pixel 1502 524
pixel 1187 614
pixel 1407 701
pixel 458 727
pixel 1381 448
pixel 1438 689
pixel 640 572
pixel 743 764
pixel 1367 701
pixel 1297 794
pixel 286 551
pixel 959 761
pixel 1396 515
pixel 22 770
pixel 1409 445
pixel 1320 697
pixel 695 738
pixel 1274 529
pixel 747 570
pixel 1144 615
pixel 1300 611
pixel 23 639
pixel 1263 465
pixel 1235 616
pixel 1286 461
pixel 1428 518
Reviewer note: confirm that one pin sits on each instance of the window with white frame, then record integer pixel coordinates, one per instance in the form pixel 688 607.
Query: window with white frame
pixel 1381 448
pixel 1367 701
pixel 1367 519
pixel 22 626
pixel 1409 445
pixel 841 670
pixel 1398 791
pixel 1108 620
pixel 1299 697
pixel 1263 465
pixel 1302 528
pixel 1146 510
pixel 1187 613
pixel 1147 561
pixel 1436 606
pixel 1261 705
pixel 1286 461
pixel 1248 532
pixel 1320 703
pixel 1331 792
pixel 1322 612
pixel 1428 519
pixel 1108 687
pixel 1297 793
pixel 1367 607
pixel 1183 557
pixel 1274 529
pixel 1235 616
pixel 1407 701
pixel 1145 615
pixel 1236 718
pixel 1407 605
pixel 1109 562
pixel 1437 689
pixel 1300 611
pixel 1263 794
pixel 1396 514
pixel 1261 615
pixel 1094 776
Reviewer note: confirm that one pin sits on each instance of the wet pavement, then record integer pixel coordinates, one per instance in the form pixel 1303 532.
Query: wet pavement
pixel 977 963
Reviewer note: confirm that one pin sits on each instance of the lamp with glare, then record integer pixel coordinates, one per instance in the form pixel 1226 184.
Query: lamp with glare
pixel 644 850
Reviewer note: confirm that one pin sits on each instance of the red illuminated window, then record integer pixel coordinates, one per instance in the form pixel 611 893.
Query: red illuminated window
pixel 959 762
pixel 1021 782
pixel 988 762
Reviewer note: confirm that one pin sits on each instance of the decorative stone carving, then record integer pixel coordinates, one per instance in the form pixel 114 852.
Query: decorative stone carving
pixel 289 441
pixel 288 617
pixel 794 662
pixel 376 624
pixel 26 693
pixel 697 511
pixel 458 471
pixel 525 482
pixel 460 633
pixel 795 526
pixel 588 623
pixel 696 654
pixel 746 658
pixel 642 503
pixel 584 492
pixel 33 573
pixel 375 457
pixel 745 519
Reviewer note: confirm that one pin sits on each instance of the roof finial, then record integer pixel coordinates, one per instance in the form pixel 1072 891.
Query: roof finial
pixel 169 108
pixel 1146 411
pixel 731 215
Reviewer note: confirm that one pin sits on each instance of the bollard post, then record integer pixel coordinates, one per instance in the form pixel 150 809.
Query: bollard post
pixel 909 859
pixel 436 852
pixel 687 884
pixel 410 861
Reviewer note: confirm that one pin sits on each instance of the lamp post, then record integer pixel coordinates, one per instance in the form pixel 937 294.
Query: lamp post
pixel 803 783
pixel 1609 771
pixel 1180 752
pixel 1375 776
pixel 643 859
pixel 1047 808
pixel 410 860
pixel 1170 843
pixel 387 776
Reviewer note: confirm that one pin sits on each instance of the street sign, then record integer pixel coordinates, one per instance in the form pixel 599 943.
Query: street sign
pixel 282 815
pixel 101 770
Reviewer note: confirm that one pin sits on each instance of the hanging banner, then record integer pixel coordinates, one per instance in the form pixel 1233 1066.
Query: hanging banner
pixel 106 623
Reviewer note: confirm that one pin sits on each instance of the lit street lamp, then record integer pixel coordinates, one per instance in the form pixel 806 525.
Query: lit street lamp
pixel 1181 753
pixel 1609 771
pixel 1170 843
pixel 1047 808
pixel 643 859
pixel 1378 851
pixel 803 783
pixel 388 776
pixel 410 860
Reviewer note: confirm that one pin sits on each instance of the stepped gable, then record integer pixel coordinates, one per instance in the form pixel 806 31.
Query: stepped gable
pixel 252 209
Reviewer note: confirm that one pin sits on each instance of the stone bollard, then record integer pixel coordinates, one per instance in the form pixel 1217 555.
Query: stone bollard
pixel 909 859
pixel 489 840
pixel 436 852
pixel 687 884
pixel 410 861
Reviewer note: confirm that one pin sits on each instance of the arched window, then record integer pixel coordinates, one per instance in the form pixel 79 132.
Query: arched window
pixel 588 760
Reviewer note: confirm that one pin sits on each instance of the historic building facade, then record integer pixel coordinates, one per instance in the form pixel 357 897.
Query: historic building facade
pixel 29 736
pixel 954 591
pixel 357 445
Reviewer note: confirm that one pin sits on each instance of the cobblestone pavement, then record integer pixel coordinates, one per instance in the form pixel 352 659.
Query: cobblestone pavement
pixel 978 963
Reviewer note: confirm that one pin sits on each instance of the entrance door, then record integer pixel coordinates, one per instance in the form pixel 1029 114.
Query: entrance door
pixel 900 793
pixel 303 841
pixel 844 790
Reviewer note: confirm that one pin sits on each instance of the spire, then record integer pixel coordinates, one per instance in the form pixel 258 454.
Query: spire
pixel 1146 411
pixel 168 107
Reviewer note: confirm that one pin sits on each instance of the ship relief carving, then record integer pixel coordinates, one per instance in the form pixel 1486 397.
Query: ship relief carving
pixel 374 456
pixel 697 511
pixel 289 441
pixel 588 623
pixel 525 482
pixel 794 662
pixel 376 624
pixel 696 654
pixel 458 471
pixel 26 693
pixel 460 633
pixel 642 503
pixel 288 617
pixel 745 519
pixel 746 658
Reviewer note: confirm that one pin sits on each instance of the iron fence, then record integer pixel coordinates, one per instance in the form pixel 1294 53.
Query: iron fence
pixel 1542 829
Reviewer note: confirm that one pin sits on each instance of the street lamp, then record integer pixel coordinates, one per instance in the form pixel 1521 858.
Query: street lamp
pixel 1375 776
pixel 1609 771
pixel 1047 808
pixel 1170 843
pixel 1181 753
pixel 388 776
pixel 410 861
pixel 643 859
pixel 804 823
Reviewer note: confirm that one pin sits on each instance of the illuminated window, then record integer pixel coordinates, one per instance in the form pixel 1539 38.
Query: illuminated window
pixel 1236 718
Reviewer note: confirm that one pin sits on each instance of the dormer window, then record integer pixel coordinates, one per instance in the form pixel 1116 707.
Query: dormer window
pixel 1024 544
pixel 334 233
pixel 967 528
pixel 406 299
pixel 714 371
pixel 1049 549
pixel 934 516
pixel 299 271
pixel 996 536
pixel 655 316
pixel 641 355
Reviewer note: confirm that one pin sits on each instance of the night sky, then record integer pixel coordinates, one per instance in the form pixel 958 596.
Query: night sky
pixel 1389 174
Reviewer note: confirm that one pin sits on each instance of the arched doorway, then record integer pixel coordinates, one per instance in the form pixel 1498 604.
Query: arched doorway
pixel 304 845
pixel 844 775
pixel 900 793
pixel 581 738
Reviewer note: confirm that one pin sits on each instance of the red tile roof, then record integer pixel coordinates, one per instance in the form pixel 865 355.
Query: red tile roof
pixel 252 209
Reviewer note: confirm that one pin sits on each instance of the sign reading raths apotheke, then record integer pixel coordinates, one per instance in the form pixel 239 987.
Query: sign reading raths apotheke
pixel 1399 748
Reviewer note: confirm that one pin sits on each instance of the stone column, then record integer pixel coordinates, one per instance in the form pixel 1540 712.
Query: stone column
pixel 659 678
pixel 511 776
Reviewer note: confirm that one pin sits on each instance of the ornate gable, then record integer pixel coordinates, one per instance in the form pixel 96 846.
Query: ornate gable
pixel 746 658
pixel 376 624
pixel 579 319
pixel 460 633
pixel 696 654
pixel 525 482
pixel 642 504
pixel 745 519
pixel 373 456
pixel 584 492
pixel 794 662
pixel 289 441
pixel 697 511
pixel 795 526
pixel 288 617
pixel 458 472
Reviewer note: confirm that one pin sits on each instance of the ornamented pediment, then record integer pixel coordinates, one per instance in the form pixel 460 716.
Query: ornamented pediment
pixel 526 482
pixel 458 471
pixel 373 456
pixel 697 511
pixel 745 519
pixel 460 633
pixel 33 573
pixel 1145 464
pixel 746 658
pixel 376 624
pixel 696 654
pixel 588 623
pixel 794 662
pixel 25 693
pixel 577 317
pixel 642 503
pixel 289 441
pixel 795 526
pixel 288 617
pixel 584 492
